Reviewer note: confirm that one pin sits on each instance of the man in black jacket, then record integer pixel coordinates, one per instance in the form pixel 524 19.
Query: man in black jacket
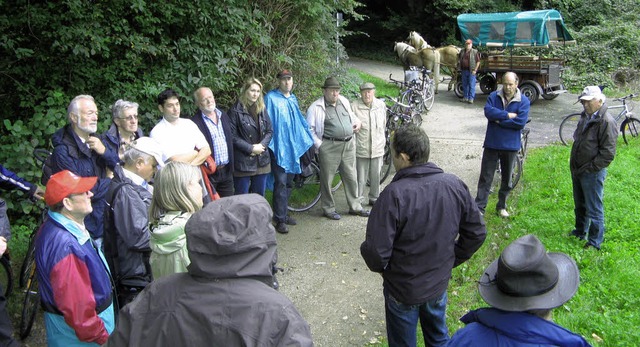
pixel 424 223
pixel 126 234
pixel 215 125
pixel 593 149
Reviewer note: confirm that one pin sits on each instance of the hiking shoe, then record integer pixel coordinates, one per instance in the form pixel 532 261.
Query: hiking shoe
pixel 361 213
pixel 332 215
pixel 587 245
pixel 290 221
pixel 574 233
pixel 503 213
pixel 282 228
pixel 469 101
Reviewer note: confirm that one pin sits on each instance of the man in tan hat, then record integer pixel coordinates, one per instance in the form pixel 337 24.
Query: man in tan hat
pixel 333 126
pixel 522 286
pixel 75 285
pixel 126 234
pixel 370 140
pixel 593 149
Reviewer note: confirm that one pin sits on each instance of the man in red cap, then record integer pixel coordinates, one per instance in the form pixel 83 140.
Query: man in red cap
pixel 468 64
pixel 75 284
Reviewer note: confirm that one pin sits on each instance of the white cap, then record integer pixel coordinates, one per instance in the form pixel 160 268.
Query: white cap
pixel 149 146
pixel 592 92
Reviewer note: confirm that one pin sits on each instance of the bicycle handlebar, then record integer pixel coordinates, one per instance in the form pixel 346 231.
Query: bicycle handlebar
pixel 624 98
pixel 40 155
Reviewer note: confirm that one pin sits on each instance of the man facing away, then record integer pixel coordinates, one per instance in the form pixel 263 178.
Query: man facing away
pixel 593 149
pixel 370 140
pixel 424 224
pixel 523 286
pixel 507 111
pixel 333 125
pixel 180 138
pixel 291 139
pixel 227 297
pixel 216 127
pixel 126 235
pixel 468 64
pixel 77 149
pixel 73 276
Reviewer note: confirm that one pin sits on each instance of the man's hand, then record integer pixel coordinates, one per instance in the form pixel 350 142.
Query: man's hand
pixel 512 115
pixel 96 145
pixel 3 245
pixel 39 193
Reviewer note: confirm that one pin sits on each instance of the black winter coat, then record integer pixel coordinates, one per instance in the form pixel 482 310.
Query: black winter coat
pixel 246 133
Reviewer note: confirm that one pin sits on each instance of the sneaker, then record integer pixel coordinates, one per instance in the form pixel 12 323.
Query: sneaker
pixel 361 213
pixel 573 233
pixel 332 215
pixel 588 245
pixel 503 213
pixel 282 228
pixel 290 221
pixel 469 101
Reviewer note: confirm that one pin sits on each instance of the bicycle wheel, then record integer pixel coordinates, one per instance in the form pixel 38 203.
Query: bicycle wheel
pixel 630 128
pixel 305 192
pixel 568 127
pixel 429 95
pixel 516 173
pixel 29 260
pixel 29 305
pixel 386 164
pixel 414 100
pixel 6 276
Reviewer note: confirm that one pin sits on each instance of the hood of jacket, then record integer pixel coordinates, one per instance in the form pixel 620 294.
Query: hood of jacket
pixel 416 171
pixel 232 238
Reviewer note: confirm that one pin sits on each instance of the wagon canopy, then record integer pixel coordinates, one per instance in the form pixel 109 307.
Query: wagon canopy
pixel 515 29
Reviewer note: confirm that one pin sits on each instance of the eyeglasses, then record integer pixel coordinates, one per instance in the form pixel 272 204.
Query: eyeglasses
pixel 130 118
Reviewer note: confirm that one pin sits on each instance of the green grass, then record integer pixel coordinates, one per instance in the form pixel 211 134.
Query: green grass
pixel 605 308
pixel 383 88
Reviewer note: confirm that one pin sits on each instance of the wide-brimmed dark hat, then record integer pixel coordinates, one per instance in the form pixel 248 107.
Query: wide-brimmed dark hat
pixel 331 82
pixel 526 277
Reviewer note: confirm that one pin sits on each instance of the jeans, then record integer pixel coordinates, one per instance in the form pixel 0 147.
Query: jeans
pixel 402 321
pixel 588 191
pixel 468 85
pixel 490 158
pixel 282 183
pixel 258 184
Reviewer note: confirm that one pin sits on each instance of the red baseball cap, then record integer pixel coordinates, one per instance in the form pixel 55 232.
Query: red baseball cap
pixel 65 183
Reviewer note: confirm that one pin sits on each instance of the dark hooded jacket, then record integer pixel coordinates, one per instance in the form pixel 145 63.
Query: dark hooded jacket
pixel 424 223
pixel 111 139
pixel 594 145
pixel 494 327
pixel 226 298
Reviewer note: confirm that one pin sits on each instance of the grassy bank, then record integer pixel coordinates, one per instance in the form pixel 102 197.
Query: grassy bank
pixel 604 310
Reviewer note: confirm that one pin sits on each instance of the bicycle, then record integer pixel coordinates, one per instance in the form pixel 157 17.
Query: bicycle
pixel 28 276
pixel 421 91
pixel 518 164
pixel 629 127
pixel 305 189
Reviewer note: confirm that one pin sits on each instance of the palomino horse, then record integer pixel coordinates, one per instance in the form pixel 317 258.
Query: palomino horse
pixel 449 59
pixel 417 41
pixel 427 57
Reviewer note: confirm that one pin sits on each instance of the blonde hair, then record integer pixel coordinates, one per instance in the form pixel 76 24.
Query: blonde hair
pixel 170 190
pixel 244 100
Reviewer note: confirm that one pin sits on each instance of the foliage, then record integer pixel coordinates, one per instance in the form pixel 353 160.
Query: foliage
pixel 52 51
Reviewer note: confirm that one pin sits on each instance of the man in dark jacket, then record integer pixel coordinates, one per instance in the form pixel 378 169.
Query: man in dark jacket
pixel 126 235
pixel 79 150
pixel 507 112
pixel 424 223
pixel 215 125
pixel 523 287
pixel 593 149
pixel 226 298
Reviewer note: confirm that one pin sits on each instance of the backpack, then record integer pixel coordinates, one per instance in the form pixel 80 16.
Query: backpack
pixel 110 243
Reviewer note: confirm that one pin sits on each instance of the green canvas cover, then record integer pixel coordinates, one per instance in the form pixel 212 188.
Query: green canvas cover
pixel 515 29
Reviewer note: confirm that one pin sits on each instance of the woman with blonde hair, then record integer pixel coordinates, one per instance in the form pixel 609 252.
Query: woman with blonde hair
pixel 177 195
pixel 252 131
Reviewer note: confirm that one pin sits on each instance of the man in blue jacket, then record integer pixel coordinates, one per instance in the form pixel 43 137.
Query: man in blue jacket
pixel 522 286
pixel 507 112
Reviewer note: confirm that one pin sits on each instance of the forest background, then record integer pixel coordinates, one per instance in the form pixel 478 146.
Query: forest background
pixel 52 51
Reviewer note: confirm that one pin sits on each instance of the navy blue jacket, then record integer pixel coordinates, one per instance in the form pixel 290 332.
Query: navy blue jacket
pixel 226 127
pixel 504 133
pixel 493 327
pixel 111 139
pixel 70 153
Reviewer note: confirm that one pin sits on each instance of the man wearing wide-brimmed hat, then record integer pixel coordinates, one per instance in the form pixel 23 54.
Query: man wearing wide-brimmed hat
pixel 522 286
pixel 594 148
pixel 333 126
pixel 75 285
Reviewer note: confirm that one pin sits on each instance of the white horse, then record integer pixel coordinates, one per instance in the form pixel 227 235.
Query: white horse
pixel 417 41
pixel 427 57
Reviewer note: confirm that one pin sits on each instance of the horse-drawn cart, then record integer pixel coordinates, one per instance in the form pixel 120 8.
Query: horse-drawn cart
pixel 539 76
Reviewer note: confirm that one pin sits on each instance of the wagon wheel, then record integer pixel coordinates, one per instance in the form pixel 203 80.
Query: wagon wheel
pixel 549 96
pixel 458 87
pixel 488 83
pixel 530 90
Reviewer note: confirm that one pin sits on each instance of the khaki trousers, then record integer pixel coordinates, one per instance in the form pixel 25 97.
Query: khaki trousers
pixel 337 156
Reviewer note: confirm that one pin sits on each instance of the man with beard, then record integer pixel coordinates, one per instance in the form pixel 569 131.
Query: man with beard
pixel 79 150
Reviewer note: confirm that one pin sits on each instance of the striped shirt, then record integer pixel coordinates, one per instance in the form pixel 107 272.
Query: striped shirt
pixel 220 150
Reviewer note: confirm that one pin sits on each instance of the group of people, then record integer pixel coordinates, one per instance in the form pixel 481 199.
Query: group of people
pixel 133 221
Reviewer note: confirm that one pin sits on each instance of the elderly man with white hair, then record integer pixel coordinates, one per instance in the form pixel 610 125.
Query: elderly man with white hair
pixel 593 149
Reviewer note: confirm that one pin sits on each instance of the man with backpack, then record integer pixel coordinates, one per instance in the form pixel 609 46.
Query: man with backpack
pixel 126 232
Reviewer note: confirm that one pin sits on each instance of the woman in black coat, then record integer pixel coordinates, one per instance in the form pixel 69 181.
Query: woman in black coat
pixel 252 131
